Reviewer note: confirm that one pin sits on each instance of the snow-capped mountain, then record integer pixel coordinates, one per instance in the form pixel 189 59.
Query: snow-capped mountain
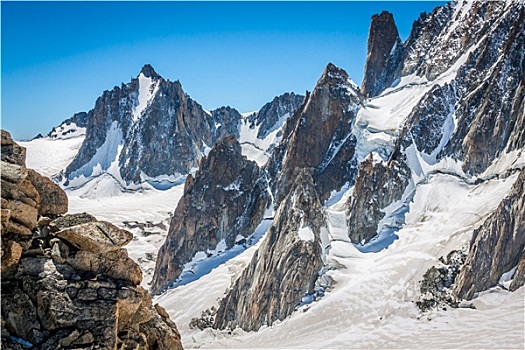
pixel 123 139
pixel 122 145
pixel 353 216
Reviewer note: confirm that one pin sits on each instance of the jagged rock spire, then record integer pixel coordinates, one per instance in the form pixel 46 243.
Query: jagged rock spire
pixel 383 45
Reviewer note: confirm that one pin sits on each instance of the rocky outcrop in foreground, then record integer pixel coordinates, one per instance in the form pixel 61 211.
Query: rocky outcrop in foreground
pixel 67 282
pixel 225 202
pixel 284 269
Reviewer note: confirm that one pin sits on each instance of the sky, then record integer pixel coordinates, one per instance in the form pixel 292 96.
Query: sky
pixel 58 57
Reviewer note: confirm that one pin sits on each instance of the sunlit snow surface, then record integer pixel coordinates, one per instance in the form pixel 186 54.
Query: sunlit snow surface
pixel 371 304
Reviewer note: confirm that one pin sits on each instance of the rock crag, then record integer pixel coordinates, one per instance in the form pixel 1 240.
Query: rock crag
pixel 67 281
pixel 497 246
pixel 384 54
pixel 286 266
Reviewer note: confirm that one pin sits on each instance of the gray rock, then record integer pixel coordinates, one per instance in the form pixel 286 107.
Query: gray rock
pixel 319 137
pixel 96 237
pixel 268 116
pixel 377 185
pixel 497 245
pixel 185 130
pixel 284 268
pixel 384 54
pixel 11 151
pixel 70 220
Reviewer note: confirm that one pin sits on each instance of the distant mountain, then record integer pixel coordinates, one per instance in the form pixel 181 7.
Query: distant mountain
pixel 123 138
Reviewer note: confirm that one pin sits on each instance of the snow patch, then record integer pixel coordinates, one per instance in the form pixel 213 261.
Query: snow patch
pixel 148 88
pixel 306 234
pixel 104 160
pixel 67 131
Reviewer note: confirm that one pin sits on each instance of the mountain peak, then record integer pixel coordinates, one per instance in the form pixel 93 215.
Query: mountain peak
pixel 333 75
pixel 384 16
pixel 149 71
pixel 383 44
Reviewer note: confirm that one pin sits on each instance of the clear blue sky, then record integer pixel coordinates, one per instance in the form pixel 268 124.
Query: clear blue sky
pixel 58 57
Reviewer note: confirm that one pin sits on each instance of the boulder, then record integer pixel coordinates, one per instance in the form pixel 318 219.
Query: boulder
pixel 96 237
pixel 53 200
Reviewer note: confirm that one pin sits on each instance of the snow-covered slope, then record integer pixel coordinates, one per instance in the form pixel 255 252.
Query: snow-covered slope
pixel 371 303
pixel 51 155
pixel 435 120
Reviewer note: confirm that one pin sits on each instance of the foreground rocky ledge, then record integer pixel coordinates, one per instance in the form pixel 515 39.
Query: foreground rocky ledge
pixel 67 283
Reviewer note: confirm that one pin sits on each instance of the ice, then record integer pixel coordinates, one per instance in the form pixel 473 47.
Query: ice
pixel 378 289
pixel 506 278
pixel 147 90
pixel 104 160
pixel 256 149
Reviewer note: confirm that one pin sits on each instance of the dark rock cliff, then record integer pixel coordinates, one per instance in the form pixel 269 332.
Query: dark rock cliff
pixel 268 116
pixel 377 185
pixel 384 54
pixel 227 198
pixel 475 117
pixel 497 246
pixel 319 137
pixel 160 129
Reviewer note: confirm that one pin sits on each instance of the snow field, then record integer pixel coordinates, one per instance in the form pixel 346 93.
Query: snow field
pixel 372 301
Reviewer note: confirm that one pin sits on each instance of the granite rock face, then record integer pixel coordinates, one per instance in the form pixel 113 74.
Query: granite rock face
pixel 270 115
pixel 225 202
pixel 384 54
pixel 285 267
pixel 67 283
pixel 318 137
pixel 377 185
pixel 497 246
pixel 469 118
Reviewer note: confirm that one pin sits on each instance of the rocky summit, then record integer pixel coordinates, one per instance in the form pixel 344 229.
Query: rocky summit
pixel 122 132
pixel 67 281
pixel 318 137
pixel 384 53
